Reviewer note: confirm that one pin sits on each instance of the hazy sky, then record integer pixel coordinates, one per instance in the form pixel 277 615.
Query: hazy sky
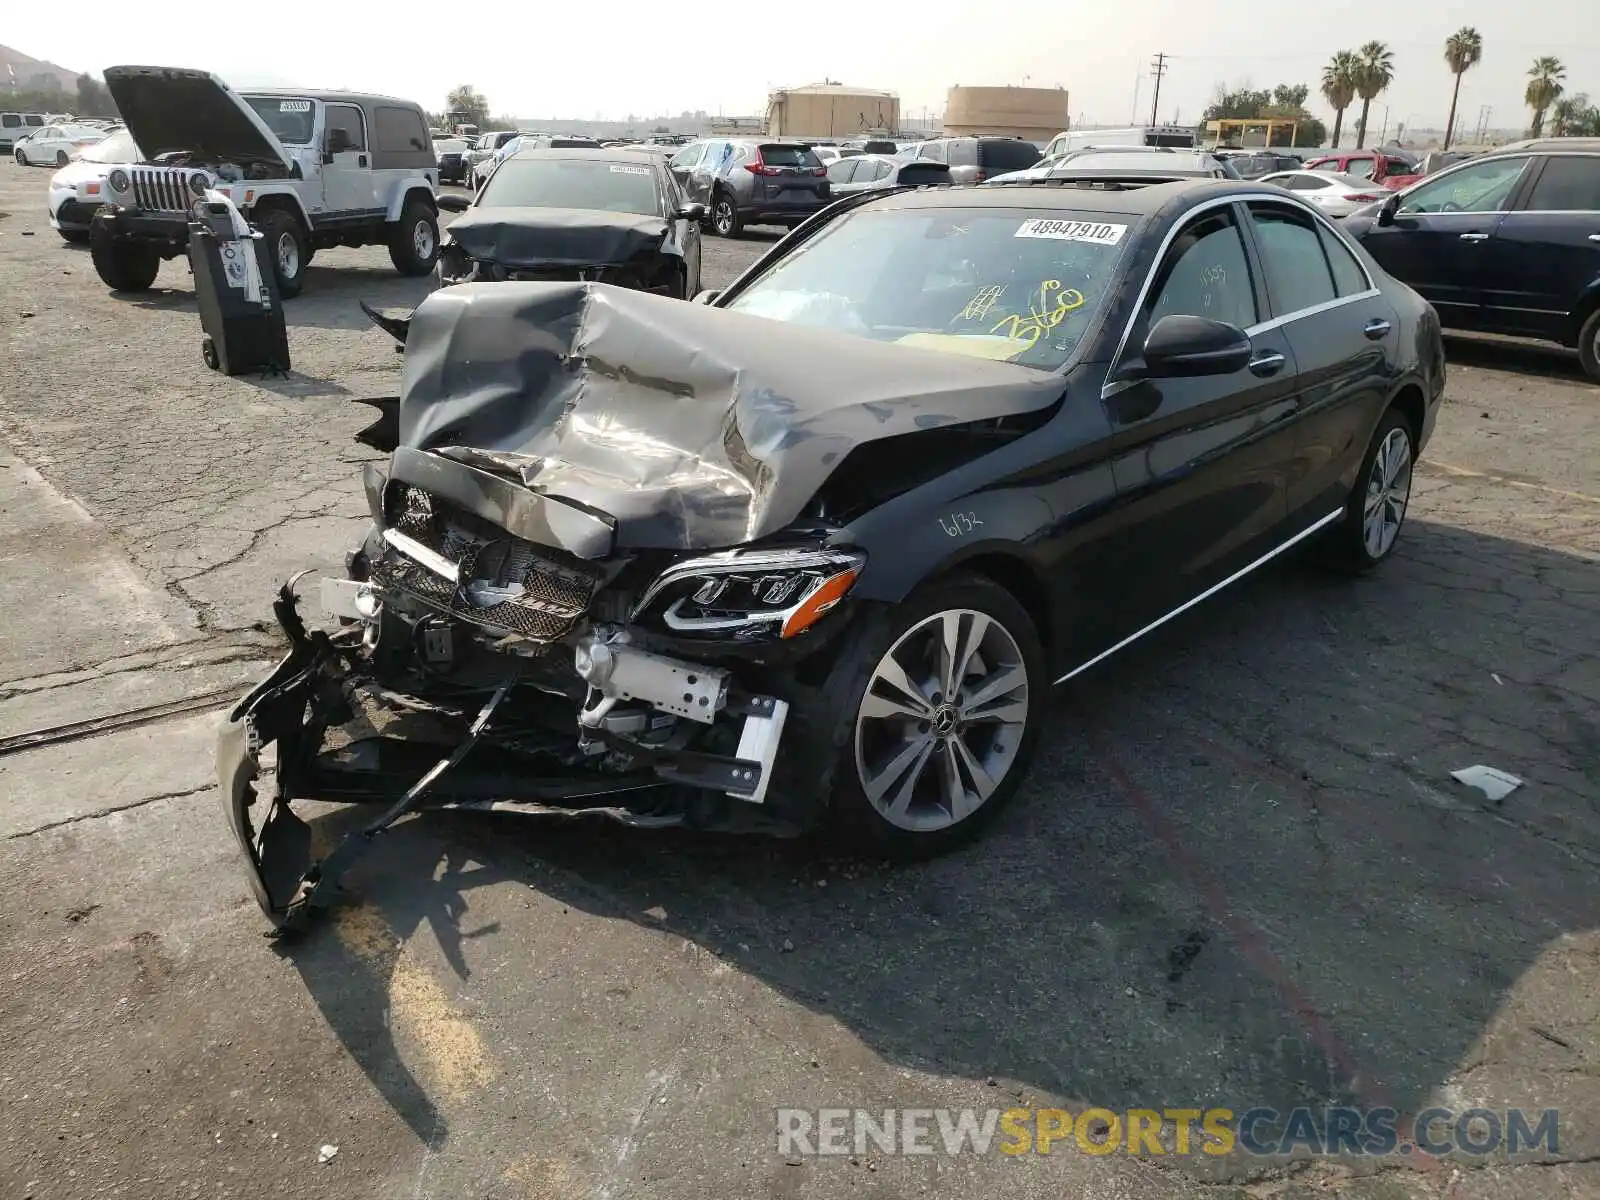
pixel 628 56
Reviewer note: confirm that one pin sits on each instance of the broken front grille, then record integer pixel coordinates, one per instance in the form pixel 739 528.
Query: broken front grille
pixel 504 583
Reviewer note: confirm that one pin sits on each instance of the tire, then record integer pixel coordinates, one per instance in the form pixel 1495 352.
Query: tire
pixel 61 158
pixel 208 353
pixel 1589 345
pixel 863 747
pixel 22 158
pixel 123 266
pixel 725 219
pixel 1352 544
pixel 288 249
pixel 76 236
pixel 414 243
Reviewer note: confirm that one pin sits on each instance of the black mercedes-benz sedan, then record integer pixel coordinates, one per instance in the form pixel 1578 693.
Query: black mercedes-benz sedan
pixel 814 551
pixel 612 216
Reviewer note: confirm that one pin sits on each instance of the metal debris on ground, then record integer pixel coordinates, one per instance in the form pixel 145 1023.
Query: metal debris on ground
pixel 1491 781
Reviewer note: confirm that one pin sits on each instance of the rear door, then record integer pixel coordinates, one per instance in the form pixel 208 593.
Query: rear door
pixel 682 165
pixel 1344 336
pixel 1440 228
pixel 1544 259
pixel 790 174
pixel 1200 463
pixel 841 175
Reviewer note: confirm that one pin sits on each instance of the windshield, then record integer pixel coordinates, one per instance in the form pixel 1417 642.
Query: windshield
pixel 117 147
pixel 290 119
pixel 1005 284
pixel 449 146
pixel 592 183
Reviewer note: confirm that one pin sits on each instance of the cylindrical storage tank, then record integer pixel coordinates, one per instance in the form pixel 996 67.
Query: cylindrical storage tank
pixel 830 110
pixel 1034 114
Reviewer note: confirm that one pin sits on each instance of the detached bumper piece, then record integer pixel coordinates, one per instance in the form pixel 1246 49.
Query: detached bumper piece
pixel 324 727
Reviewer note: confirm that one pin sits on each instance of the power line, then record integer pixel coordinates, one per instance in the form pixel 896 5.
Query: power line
pixel 1158 68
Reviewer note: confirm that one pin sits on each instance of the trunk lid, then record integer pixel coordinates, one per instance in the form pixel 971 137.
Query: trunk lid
pixel 175 108
pixel 788 173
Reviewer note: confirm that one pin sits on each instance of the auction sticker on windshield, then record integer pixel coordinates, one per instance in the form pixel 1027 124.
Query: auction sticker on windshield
pixel 294 106
pixel 619 169
pixel 1074 231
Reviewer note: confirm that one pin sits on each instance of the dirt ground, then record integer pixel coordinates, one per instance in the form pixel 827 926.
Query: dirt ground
pixel 1240 874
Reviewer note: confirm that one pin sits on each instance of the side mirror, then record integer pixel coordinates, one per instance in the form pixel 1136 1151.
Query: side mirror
pixel 692 212
pixel 451 202
pixel 707 297
pixel 1390 207
pixel 1183 347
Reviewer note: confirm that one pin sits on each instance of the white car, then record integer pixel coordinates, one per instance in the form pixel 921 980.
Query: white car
pixel 1336 195
pixel 55 145
pixel 78 188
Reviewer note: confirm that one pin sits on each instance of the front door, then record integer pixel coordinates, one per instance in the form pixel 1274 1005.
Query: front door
pixel 1544 259
pixel 1200 463
pixel 346 162
pixel 1437 240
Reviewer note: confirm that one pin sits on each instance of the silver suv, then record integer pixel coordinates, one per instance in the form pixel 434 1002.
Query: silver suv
pixel 310 169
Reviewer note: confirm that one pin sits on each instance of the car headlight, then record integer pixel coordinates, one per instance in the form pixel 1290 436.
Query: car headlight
pixel 751 593
pixel 118 180
pixel 454 265
pixel 198 182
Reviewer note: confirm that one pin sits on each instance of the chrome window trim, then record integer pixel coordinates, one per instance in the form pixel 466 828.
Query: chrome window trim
pixel 1319 524
pixel 1282 197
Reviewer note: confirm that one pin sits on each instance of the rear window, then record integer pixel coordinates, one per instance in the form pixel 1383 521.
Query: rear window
pixel 1127 160
pixel 117 148
pixel 1007 155
pixel 790 156
pixel 918 173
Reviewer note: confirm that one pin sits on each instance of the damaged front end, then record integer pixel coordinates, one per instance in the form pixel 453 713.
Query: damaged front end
pixel 596 581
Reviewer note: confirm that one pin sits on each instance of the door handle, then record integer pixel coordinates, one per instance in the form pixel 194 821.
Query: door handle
pixel 1474 237
pixel 1376 328
pixel 1266 364
pixel 361 160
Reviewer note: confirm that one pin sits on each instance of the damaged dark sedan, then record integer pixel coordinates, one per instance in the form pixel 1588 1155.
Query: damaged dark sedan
pixel 814 553
pixel 605 216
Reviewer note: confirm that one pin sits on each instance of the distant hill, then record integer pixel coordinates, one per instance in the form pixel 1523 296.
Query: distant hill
pixel 20 73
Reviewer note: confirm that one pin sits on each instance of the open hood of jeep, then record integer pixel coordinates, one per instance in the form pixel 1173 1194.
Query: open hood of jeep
pixel 688 426
pixel 176 108
pixel 555 237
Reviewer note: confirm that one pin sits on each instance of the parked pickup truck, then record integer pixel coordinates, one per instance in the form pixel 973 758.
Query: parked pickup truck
pixel 1388 169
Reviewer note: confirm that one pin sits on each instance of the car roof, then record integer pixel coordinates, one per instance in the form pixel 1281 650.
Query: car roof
pixel 365 99
pixel 1548 145
pixel 1041 196
pixel 616 154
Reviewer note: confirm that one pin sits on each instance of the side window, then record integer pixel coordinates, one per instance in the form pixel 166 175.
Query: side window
pixel 842 170
pixel 1206 274
pixel 1484 186
pixel 933 151
pixel 10 121
pixel 1567 184
pixel 880 170
pixel 1328 168
pixel 1298 274
pixel 1348 276
pixel 347 118
pixel 1362 168
pixel 398 130
pixel 688 156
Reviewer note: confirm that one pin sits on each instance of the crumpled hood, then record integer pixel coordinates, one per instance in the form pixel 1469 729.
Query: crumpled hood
pixel 555 237
pixel 692 427
pixel 175 108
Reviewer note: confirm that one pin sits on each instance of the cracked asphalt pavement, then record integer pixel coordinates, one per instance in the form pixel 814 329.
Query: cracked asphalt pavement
pixel 1240 875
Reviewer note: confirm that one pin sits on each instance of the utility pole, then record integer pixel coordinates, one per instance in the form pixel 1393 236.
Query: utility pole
pixel 1158 68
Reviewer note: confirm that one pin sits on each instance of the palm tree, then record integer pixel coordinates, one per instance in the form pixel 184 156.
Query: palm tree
pixel 1463 50
pixel 1544 88
pixel 1374 74
pixel 1567 115
pixel 1339 88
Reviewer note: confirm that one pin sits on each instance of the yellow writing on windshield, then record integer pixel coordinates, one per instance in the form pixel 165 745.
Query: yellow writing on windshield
pixel 982 301
pixel 1043 315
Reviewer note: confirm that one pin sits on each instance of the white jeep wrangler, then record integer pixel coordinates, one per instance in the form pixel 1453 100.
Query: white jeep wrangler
pixel 310 169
